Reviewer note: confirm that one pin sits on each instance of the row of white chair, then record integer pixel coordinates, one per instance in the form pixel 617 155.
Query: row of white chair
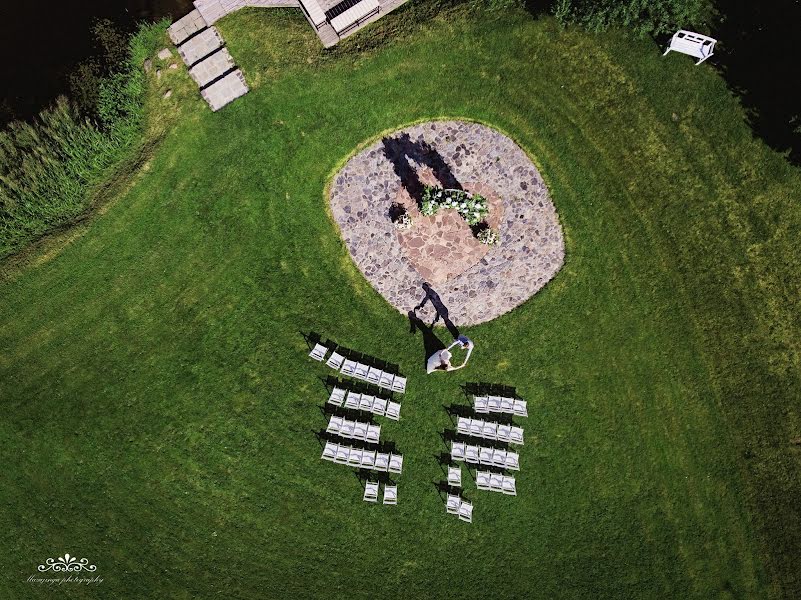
pixel 371 493
pixel 456 506
pixel 374 404
pixel 495 482
pixel 485 456
pixel 358 370
pixel 490 431
pixel 354 429
pixel 500 404
pixel 343 454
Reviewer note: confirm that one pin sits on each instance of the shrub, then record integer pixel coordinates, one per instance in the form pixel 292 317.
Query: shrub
pixel 403 221
pixel 472 207
pixel 47 166
pixel 488 236
pixel 645 17
pixel 499 5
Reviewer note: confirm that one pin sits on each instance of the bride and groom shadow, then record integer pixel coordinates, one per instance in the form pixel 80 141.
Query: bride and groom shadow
pixel 431 341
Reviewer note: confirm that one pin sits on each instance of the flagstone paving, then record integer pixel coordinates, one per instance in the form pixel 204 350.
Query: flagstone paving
pixel 477 283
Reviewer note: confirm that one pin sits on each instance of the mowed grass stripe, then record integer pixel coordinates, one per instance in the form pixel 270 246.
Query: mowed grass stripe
pixel 184 338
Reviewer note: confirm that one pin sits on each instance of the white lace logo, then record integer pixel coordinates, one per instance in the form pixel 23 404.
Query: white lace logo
pixel 67 563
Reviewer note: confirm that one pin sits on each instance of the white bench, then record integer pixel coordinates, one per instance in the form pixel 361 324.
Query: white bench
pixel 354 15
pixel 693 44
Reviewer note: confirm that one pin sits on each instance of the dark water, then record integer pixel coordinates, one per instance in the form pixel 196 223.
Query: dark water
pixel 760 58
pixel 41 42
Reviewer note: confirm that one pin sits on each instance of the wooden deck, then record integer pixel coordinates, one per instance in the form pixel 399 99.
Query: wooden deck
pixel 330 38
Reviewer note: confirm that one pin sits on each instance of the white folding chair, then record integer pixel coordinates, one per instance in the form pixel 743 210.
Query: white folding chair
pixel 355 458
pixel 471 454
pixel 516 436
pixel 379 406
pixel 393 411
pixel 499 458
pixel 395 463
pixel 348 368
pixel 399 384
pixel 368 459
pixel 496 482
pixel 457 450
pixel 507 405
pixel 337 396
pixel 381 461
pixel 334 424
pixel 335 360
pixel 520 408
pixel 366 402
pixel 452 505
pixel 373 434
pixel 494 403
pixel 466 512
pixel 483 480
pixel 390 494
pixel 374 375
pixel 346 428
pixel 513 461
pixel 385 381
pixel 481 404
pixel 504 432
pixel 455 476
pixel 371 491
pixel 476 427
pixel 485 455
pixel 359 430
pixel 343 452
pixel 330 451
pixel 509 486
pixel 318 352
pixel 463 425
pixel 361 370
pixel 490 431
pixel 352 400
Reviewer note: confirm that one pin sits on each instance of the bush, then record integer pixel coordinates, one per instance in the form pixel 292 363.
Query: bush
pixel 488 236
pixel 473 208
pixel 499 5
pixel 47 166
pixel 645 17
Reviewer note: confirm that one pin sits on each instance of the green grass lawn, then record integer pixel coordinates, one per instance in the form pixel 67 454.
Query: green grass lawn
pixel 159 408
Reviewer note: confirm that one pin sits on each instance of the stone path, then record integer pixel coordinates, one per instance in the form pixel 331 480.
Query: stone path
pixel 209 63
pixel 476 284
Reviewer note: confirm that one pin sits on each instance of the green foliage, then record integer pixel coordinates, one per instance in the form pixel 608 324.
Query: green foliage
pixel 84 84
pixel 114 44
pixel 499 5
pixel 472 207
pixel 645 17
pixel 488 236
pixel 48 166
pixel 86 80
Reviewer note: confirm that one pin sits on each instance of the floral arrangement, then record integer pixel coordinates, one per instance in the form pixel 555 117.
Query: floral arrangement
pixel 404 221
pixel 400 217
pixel 487 236
pixel 473 208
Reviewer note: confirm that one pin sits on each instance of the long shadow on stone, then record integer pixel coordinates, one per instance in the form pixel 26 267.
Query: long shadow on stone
pixel 400 149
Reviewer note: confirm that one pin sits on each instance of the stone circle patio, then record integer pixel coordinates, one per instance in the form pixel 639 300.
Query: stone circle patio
pixel 476 282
